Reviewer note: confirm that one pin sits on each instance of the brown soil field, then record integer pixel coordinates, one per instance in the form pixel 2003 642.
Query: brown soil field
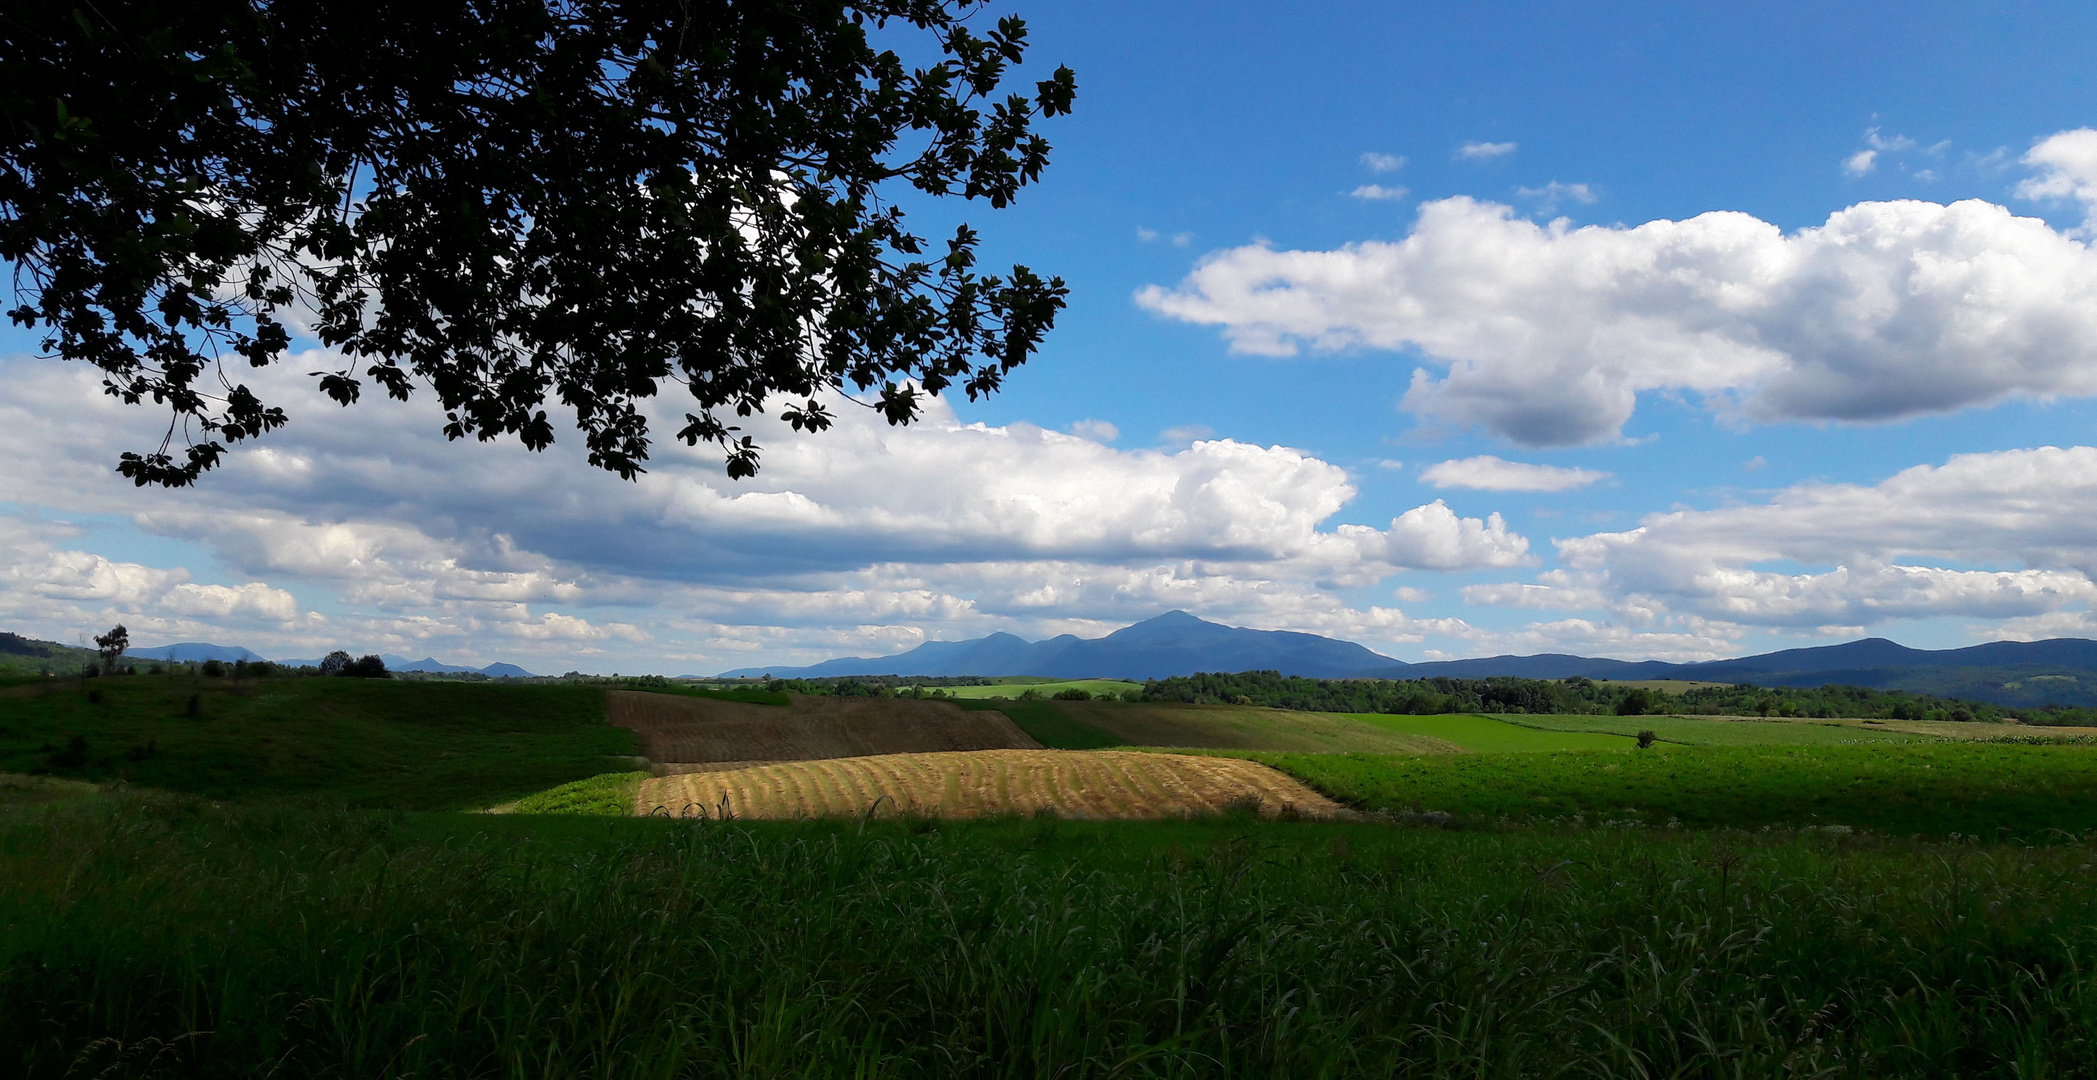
pixel 1245 727
pixel 1068 783
pixel 680 732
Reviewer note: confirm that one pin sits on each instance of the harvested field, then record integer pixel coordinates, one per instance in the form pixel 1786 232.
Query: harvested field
pixel 678 732
pixel 1245 727
pixel 1069 783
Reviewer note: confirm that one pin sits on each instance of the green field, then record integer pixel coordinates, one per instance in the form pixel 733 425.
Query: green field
pixel 410 745
pixel 1044 687
pixel 1725 731
pixel 1935 788
pixel 258 941
pixel 294 908
pixel 1487 735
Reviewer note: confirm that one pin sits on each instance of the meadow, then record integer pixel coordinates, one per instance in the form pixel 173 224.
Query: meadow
pixel 2028 793
pixel 169 936
pixel 281 885
pixel 360 742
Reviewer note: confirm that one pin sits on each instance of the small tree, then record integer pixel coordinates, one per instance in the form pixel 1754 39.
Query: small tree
pixel 1646 739
pixel 112 646
pixel 335 663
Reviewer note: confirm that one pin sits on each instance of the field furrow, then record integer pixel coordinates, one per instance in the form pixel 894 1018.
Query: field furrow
pixel 1093 784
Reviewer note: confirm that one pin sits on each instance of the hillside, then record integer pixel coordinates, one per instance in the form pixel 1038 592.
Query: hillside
pixel 426 745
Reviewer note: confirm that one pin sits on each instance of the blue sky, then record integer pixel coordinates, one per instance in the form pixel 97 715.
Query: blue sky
pixel 1850 403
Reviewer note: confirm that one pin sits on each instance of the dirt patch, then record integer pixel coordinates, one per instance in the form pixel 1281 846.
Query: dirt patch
pixel 677 732
pixel 1068 783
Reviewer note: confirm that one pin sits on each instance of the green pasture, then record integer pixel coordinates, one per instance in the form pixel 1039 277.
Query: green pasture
pixel 1013 686
pixel 1488 735
pixel 148 935
pixel 1927 788
pixel 379 742
pixel 1726 730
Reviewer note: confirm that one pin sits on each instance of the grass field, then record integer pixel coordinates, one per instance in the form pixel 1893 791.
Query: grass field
pixel 1733 731
pixel 1489 735
pixel 987 783
pixel 1045 687
pixel 428 746
pixel 1242 727
pixel 1922 788
pixel 147 935
pixel 1048 724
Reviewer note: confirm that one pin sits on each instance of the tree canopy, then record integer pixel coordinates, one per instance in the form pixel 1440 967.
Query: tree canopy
pixel 512 203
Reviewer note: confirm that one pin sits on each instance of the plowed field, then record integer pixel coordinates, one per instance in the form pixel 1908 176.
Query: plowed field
pixel 1073 784
pixel 677 731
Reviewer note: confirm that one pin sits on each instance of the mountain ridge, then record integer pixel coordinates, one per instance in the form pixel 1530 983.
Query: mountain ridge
pixel 2021 673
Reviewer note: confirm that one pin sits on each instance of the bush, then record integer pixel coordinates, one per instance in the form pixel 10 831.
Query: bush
pixel 1073 694
pixel 1646 739
pixel 214 670
pixel 368 667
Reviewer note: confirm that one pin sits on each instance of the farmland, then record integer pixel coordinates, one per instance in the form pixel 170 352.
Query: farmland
pixel 360 943
pixel 1933 788
pixel 1012 688
pixel 379 743
pixel 1101 784
pixel 280 886
pixel 675 729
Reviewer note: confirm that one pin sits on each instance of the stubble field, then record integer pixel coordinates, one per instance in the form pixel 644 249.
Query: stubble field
pixel 988 783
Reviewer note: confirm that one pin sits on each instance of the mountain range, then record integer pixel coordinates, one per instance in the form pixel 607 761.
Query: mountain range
pixel 197 651
pixel 2024 673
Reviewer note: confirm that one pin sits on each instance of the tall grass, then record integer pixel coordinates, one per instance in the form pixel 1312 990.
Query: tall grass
pixel 149 933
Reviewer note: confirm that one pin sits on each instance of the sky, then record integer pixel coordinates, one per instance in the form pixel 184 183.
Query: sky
pixel 1643 330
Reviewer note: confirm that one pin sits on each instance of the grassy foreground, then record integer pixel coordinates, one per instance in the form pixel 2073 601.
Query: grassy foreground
pixel 141 934
pixel 1929 788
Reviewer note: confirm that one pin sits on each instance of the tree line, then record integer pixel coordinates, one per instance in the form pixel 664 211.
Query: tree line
pixel 1577 695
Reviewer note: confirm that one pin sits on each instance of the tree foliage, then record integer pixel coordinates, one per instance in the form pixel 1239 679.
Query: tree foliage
pixel 112 645
pixel 514 203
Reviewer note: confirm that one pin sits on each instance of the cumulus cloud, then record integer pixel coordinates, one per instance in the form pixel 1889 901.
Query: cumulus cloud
pixel 1548 333
pixel 1994 536
pixel 1482 151
pixel 1096 430
pixel 2068 161
pixel 1489 473
pixel 1861 162
pixel 867 534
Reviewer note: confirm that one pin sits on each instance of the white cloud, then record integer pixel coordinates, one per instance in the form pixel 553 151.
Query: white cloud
pixel 1382 163
pixel 1378 192
pixel 1185 433
pixel 1555 194
pixel 2070 163
pixel 1480 151
pixel 1489 473
pixel 864 535
pixel 1861 162
pixel 1987 536
pixel 1097 430
pixel 1147 235
pixel 1889 310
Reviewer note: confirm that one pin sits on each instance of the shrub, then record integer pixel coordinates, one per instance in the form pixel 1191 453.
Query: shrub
pixel 1074 694
pixel 214 669
pixel 1646 739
